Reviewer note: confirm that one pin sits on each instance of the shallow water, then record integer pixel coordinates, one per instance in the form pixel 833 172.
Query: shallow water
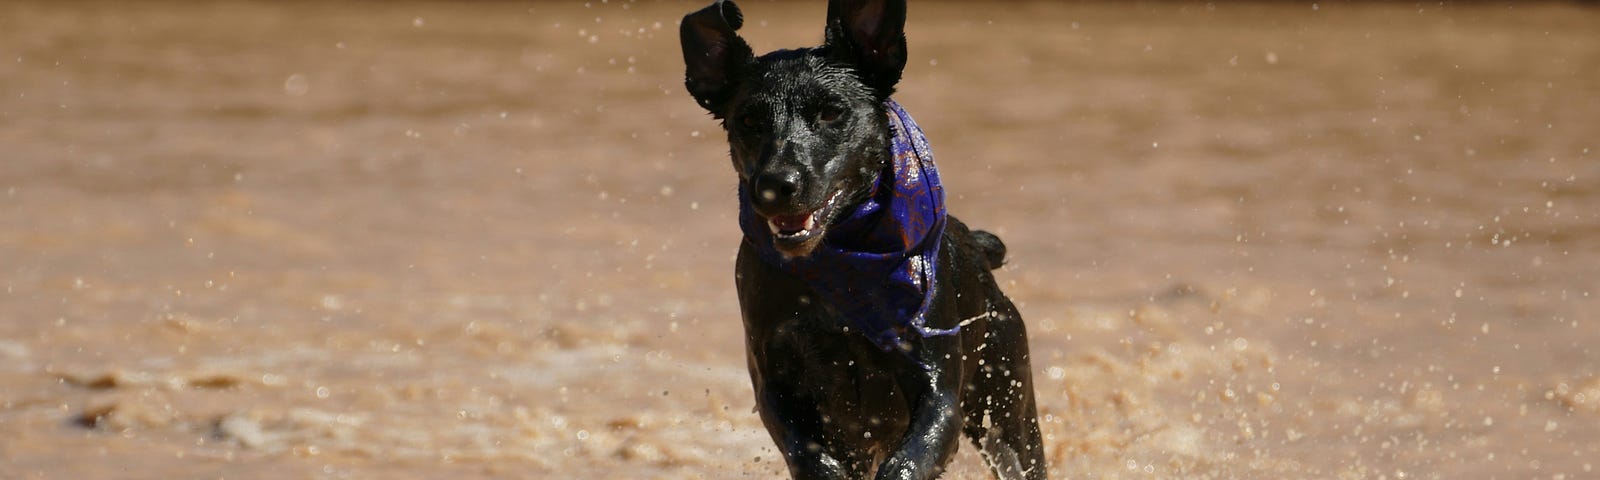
pixel 495 240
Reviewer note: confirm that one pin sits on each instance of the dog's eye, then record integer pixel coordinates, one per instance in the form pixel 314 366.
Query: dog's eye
pixel 828 114
pixel 749 121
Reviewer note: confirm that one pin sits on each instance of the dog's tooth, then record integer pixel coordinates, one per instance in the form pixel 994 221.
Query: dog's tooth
pixel 771 225
pixel 811 220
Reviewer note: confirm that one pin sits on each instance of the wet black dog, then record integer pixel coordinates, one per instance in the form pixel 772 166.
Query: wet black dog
pixel 809 130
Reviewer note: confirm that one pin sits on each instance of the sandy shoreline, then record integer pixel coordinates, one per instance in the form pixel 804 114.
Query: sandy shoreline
pixel 495 240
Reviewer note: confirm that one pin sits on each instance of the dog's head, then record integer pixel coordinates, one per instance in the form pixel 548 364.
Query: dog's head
pixel 806 128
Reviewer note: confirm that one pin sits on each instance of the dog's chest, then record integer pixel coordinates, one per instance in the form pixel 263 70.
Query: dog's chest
pixel 852 383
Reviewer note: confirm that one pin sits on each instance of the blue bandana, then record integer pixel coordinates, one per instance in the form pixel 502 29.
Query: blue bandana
pixel 876 264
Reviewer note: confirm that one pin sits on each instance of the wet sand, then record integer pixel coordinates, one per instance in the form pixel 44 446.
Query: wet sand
pixel 495 240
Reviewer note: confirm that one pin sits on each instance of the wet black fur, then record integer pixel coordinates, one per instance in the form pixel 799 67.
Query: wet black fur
pixel 804 124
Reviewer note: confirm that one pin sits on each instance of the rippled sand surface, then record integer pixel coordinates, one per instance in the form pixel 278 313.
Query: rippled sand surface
pixel 495 240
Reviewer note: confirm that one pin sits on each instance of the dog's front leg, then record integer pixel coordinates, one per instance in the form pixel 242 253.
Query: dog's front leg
pixel 801 450
pixel 935 428
pixel 772 312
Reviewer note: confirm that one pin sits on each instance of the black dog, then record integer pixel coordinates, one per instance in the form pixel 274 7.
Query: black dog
pixel 811 133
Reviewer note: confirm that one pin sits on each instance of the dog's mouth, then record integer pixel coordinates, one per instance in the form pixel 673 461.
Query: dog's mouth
pixel 793 226
pixel 796 235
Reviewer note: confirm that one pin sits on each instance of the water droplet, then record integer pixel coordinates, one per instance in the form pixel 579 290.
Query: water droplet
pixel 296 85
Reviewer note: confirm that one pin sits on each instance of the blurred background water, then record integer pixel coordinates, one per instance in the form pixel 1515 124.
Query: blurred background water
pixel 495 240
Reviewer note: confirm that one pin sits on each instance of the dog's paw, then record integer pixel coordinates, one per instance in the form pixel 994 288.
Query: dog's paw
pixel 897 467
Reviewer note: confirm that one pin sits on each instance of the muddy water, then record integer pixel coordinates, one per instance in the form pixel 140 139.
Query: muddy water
pixel 418 240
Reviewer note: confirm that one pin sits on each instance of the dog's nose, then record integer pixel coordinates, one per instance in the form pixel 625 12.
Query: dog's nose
pixel 776 187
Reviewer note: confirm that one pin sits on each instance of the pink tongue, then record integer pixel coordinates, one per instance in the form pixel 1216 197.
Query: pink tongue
pixel 790 223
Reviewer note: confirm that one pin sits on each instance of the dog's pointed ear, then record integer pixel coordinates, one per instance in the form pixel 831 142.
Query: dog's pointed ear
pixel 869 34
pixel 713 54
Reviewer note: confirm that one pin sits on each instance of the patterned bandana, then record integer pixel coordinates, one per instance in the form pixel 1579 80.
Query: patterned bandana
pixel 876 265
